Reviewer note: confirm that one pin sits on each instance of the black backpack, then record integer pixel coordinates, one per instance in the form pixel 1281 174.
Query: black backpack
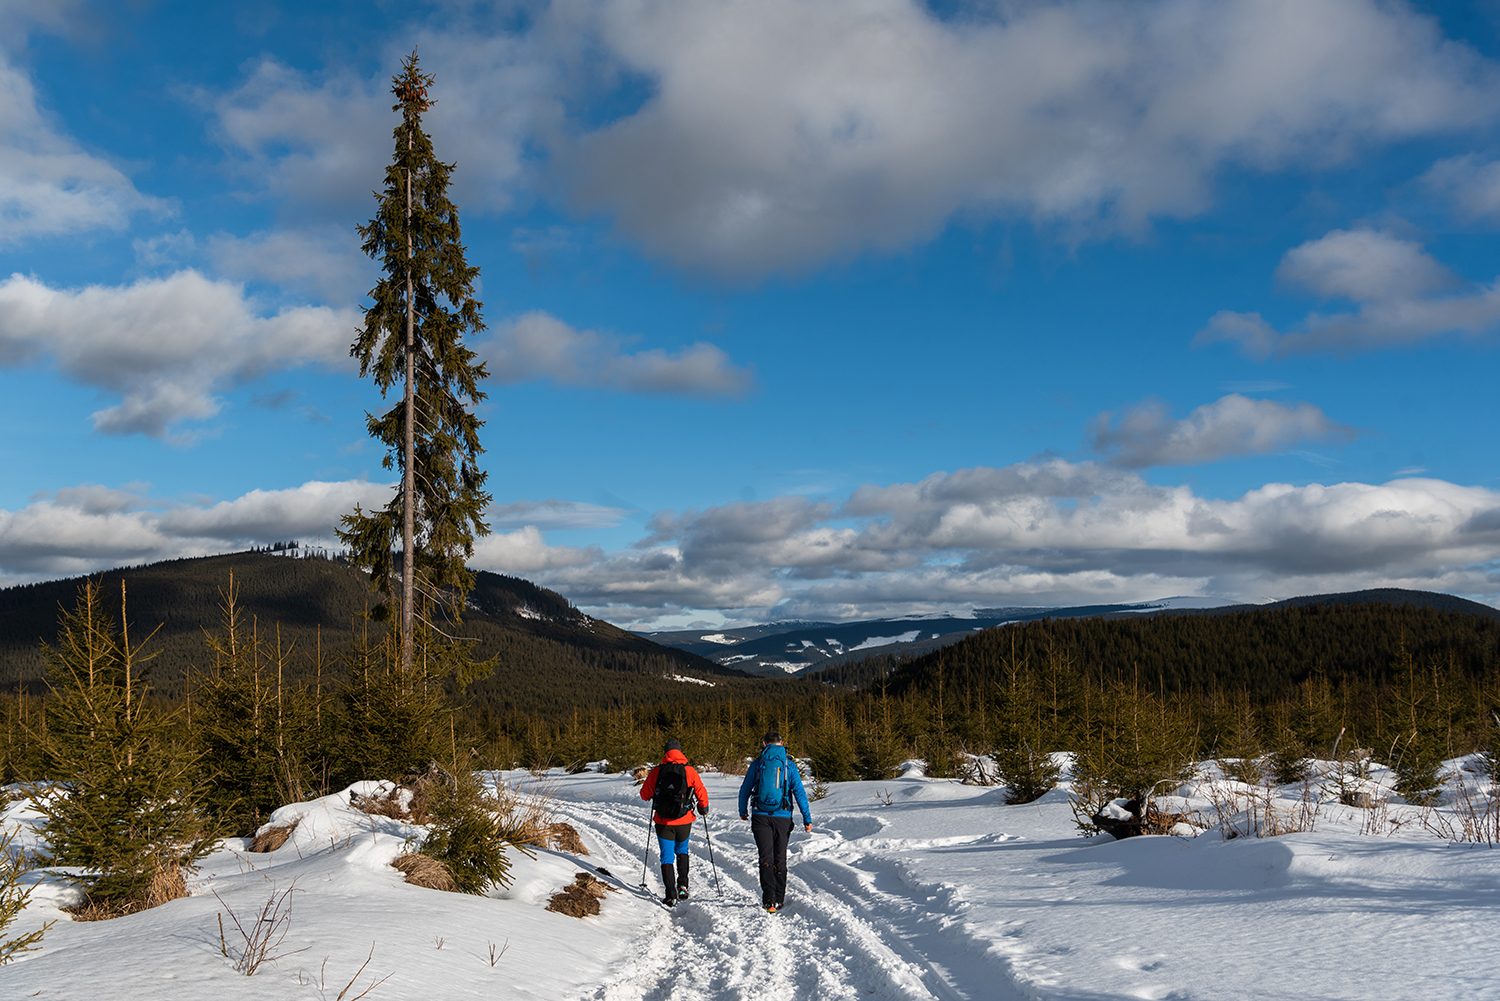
pixel 674 797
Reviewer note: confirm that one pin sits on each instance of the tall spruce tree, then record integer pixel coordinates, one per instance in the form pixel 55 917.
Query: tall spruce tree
pixel 413 333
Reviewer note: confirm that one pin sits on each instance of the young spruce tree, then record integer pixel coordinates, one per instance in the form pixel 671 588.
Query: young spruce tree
pixel 127 816
pixel 414 334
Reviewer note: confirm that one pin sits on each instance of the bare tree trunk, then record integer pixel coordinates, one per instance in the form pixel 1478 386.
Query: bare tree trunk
pixel 408 486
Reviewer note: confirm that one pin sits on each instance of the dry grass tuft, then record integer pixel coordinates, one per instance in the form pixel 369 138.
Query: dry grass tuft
pixel 423 870
pixel 271 838
pixel 93 910
pixel 639 773
pixel 393 803
pixel 167 883
pixel 581 897
pixel 526 818
pixel 565 838
pixel 412 799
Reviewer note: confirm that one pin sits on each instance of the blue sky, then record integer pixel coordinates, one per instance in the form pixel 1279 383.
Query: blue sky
pixel 796 309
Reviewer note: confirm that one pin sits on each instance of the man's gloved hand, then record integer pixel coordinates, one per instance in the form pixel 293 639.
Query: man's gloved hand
pixel 702 811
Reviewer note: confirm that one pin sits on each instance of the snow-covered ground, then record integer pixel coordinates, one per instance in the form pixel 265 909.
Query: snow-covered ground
pixel 912 888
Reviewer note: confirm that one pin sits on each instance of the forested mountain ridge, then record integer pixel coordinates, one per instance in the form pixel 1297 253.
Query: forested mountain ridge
pixel 1251 648
pixel 549 651
pixel 808 649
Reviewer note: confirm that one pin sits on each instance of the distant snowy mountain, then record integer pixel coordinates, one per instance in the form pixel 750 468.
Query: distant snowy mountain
pixel 777 649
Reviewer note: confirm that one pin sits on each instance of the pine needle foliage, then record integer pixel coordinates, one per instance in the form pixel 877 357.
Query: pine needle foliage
pixel 13 897
pixel 1025 732
pixel 1416 732
pixel 127 811
pixel 394 718
pixel 413 334
pixel 252 728
pixel 830 745
pixel 467 836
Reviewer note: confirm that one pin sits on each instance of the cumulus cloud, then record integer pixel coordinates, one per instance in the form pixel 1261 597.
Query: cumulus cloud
pixel 537 345
pixel 775 135
pixel 780 133
pixel 50 185
pixel 82 529
pixel 164 346
pixel 1046 531
pixel 1401 294
pixel 553 514
pixel 526 551
pixel 1148 435
pixel 323 263
pixel 1471 183
pixel 91 527
pixel 1043 532
pixel 320 143
pixel 309 510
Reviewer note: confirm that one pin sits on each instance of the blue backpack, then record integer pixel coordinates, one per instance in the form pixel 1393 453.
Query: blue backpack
pixel 773 793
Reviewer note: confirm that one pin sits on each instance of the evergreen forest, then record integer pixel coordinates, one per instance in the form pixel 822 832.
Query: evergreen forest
pixel 273 698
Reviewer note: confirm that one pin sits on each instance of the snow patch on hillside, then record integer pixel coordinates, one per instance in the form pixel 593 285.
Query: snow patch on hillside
pixel 875 641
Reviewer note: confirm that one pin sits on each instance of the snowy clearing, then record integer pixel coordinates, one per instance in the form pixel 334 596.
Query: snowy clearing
pixel 908 889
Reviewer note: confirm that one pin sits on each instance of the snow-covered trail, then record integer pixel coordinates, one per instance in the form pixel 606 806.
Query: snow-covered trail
pixel 910 889
pixel 853 928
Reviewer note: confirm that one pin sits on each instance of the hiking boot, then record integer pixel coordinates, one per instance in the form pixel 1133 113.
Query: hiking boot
pixel 669 883
pixel 669 901
pixel 682 892
pixel 772 908
pixel 682 877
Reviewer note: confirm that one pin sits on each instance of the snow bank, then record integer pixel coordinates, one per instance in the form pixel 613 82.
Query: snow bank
pixel 911 888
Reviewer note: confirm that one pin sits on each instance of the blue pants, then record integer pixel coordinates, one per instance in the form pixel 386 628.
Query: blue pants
pixel 672 840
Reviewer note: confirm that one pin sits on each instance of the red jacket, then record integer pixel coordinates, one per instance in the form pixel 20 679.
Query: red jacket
pixel 648 789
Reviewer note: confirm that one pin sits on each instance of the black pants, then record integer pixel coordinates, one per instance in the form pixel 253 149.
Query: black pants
pixel 771 834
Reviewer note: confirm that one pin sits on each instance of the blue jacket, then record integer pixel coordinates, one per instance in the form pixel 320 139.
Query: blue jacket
pixel 752 779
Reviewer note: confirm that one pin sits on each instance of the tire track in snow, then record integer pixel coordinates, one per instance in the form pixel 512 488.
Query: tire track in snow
pixel 842 937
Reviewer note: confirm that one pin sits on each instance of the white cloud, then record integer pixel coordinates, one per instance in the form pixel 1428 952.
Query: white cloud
pixel 1472 184
pixel 1041 532
pixel 1401 293
pixel 1044 532
pixel 322 263
pixel 1364 265
pixel 1148 435
pixel 780 133
pixel 163 346
pixel 537 345
pixel 553 514
pixel 313 509
pixel 322 145
pixel 82 529
pixel 525 551
pixel 50 185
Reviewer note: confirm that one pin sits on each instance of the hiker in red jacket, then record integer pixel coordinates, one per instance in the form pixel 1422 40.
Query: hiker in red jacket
pixel 671 787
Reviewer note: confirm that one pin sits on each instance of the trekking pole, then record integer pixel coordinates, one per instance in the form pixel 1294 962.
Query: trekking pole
pixel 646 855
pixel 711 863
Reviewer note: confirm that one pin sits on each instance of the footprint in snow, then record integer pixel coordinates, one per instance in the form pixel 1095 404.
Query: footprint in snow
pixel 1140 964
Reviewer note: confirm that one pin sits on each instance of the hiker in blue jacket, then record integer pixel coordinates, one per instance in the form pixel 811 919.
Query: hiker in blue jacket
pixel 771 782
